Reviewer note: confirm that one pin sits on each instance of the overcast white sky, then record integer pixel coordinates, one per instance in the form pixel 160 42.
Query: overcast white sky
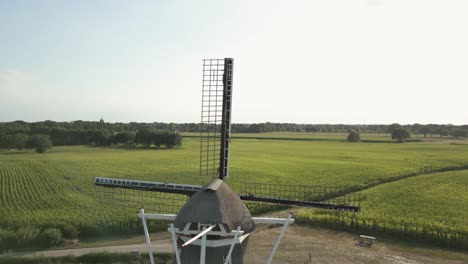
pixel 314 61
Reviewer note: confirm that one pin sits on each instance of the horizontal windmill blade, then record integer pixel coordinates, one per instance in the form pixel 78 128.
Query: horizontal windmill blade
pixel 169 197
pixel 153 196
pixel 324 197
pixel 187 189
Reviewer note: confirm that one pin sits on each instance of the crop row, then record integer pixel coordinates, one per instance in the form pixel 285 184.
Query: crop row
pixel 430 208
pixel 56 189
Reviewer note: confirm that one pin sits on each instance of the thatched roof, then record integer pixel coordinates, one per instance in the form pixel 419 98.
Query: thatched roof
pixel 216 203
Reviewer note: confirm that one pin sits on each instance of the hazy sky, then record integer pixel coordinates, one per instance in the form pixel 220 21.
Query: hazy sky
pixel 314 61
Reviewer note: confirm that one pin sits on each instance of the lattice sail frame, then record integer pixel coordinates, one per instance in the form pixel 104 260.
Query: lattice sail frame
pixel 165 203
pixel 318 196
pixel 215 124
pixel 154 196
pixel 214 162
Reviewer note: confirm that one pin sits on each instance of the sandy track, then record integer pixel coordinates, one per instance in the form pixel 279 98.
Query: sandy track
pixel 313 245
pixel 300 245
pixel 160 246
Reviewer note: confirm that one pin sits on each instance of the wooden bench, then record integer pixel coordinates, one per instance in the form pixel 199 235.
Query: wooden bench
pixel 134 253
pixel 366 241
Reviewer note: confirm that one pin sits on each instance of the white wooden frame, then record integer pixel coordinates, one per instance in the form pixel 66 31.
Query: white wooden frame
pixel 232 238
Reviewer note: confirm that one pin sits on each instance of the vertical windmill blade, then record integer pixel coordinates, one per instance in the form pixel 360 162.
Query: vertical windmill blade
pixel 216 117
pixel 226 121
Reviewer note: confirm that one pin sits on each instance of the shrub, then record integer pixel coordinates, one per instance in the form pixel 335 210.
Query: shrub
pixel 354 136
pixel 51 237
pixel 70 231
pixel 172 140
pixel 26 235
pixel 19 140
pixel 40 142
pixel 400 134
pixel 7 240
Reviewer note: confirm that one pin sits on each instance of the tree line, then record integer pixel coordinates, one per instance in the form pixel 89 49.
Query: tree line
pixel 78 127
pixel 396 131
pixel 42 135
pixel 19 134
pixel 21 141
pixel 48 127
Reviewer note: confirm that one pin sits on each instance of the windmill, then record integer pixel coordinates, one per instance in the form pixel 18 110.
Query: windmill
pixel 212 223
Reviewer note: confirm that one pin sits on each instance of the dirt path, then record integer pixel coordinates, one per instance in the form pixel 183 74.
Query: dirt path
pixel 300 245
pixel 160 246
pixel 314 245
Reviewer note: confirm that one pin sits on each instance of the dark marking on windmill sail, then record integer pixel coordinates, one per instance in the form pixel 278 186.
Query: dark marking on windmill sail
pixel 216 204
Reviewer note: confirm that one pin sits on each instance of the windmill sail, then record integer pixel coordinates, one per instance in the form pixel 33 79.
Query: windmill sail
pixel 317 196
pixel 154 196
pixel 215 142
pixel 169 197
pixel 212 224
pixel 215 137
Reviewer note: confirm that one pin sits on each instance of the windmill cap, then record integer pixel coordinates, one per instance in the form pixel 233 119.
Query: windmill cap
pixel 216 203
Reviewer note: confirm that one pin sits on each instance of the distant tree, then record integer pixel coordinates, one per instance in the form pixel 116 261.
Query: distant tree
pixel 354 136
pixel 158 139
pixel 99 138
pixel 311 129
pixel 19 141
pixel 15 141
pixel 400 134
pixel 460 133
pixel 255 128
pixel 123 137
pixel 144 137
pixel 416 128
pixel 443 132
pixel 172 139
pixel 268 127
pixel 6 142
pixel 39 142
pixel 171 127
pixel 393 127
pixel 425 130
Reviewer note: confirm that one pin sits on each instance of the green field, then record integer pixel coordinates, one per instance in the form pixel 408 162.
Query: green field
pixel 432 207
pixel 56 188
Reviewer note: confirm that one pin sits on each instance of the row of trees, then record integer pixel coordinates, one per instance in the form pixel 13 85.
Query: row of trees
pixel 398 133
pixel 22 141
pixel 158 139
pixel 32 236
pixel 50 127
pixel 147 138
pixel 19 134
pixel 61 137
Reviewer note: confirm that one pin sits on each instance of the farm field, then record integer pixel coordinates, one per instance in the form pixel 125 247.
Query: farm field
pixel 55 189
pixel 426 207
